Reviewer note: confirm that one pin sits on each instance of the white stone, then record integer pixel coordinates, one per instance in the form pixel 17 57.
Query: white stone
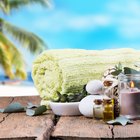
pixel 94 87
pixel 87 103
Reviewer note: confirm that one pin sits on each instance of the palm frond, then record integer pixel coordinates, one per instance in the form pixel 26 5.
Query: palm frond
pixel 4 6
pixel 5 60
pixel 15 4
pixel 27 39
pixel 14 58
pixel 18 62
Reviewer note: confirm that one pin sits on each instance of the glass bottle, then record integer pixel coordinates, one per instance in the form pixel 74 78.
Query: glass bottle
pixel 98 109
pixel 113 93
pixel 108 113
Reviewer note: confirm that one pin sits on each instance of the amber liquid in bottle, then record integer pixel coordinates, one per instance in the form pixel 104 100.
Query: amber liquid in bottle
pixel 108 110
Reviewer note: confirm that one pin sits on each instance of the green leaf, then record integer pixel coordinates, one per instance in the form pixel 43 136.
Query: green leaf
pixel 56 99
pixel 71 97
pixel 11 57
pixel 30 105
pixel 116 73
pixel 4 6
pixel 13 108
pixel 120 66
pixel 15 4
pixel 5 61
pixel 118 69
pixel 63 98
pixel 27 39
pixel 84 92
pixel 38 111
pixel 120 120
pixel 128 70
pixel 77 97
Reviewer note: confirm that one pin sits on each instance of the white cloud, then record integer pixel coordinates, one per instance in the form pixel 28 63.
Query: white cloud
pixel 88 22
pixel 63 21
pixel 126 18
pixel 122 15
pixel 125 7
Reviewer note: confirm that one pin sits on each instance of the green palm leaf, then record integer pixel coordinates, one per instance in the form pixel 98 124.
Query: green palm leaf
pixel 5 60
pixel 15 4
pixel 4 6
pixel 7 5
pixel 12 58
pixel 27 39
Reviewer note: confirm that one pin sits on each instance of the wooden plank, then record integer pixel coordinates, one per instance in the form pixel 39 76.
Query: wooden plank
pixel 19 126
pixel 25 100
pixel 79 128
pixel 4 101
pixel 128 132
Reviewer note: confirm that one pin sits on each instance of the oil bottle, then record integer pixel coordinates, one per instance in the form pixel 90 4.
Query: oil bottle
pixel 108 113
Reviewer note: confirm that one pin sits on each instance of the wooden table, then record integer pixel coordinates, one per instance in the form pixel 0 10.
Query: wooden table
pixel 81 128
pixel 18 126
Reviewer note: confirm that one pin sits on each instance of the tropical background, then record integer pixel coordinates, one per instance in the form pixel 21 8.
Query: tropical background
pixel 27 27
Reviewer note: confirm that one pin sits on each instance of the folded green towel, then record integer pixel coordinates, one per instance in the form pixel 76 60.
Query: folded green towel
pixel 66 71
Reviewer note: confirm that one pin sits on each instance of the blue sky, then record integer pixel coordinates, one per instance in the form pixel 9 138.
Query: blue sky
pixel 86 24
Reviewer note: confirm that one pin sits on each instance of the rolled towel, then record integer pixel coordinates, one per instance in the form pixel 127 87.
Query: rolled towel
pixel 66 71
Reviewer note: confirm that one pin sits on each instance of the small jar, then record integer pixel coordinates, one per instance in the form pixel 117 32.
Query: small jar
pixel 98 109
pixel 108 113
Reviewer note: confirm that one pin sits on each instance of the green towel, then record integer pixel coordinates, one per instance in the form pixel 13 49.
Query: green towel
pixel 66 71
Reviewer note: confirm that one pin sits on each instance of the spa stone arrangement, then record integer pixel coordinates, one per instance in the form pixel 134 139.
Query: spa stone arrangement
pixel 97 84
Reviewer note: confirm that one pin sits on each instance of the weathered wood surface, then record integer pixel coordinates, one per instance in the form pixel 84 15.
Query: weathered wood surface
pixel 78 128
pixel 81 128
pixel 19 126
pixel 128 132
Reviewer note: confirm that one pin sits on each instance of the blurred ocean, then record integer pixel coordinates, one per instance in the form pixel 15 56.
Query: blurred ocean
pixel 4 80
